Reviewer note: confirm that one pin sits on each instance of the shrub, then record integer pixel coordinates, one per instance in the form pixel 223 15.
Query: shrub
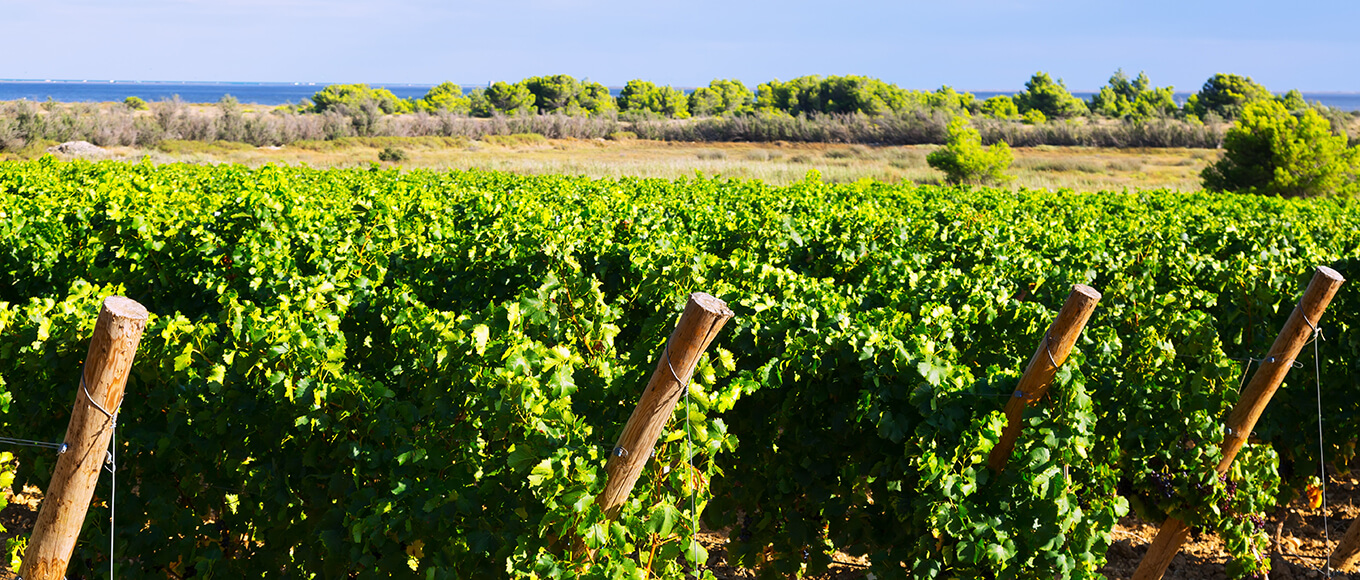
pixel 963 159
pixel 135 103
pixel 392 155
pixel 1269 151
pixel 1000 107
pixel 516 139
pixel 622 136
pixel 1034 117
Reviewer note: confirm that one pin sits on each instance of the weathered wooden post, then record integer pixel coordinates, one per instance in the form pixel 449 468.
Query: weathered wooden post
pixel 1296 332
pixel 703 317
pixel 112 348
pixel 1347 551
pixel 1053 351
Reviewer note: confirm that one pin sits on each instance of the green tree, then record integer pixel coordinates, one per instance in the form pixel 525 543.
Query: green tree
pixel 1116 98
pixel 445 96
pixel 636 96
pixel 1270 151
pixel 595 99
pixel 1225 95
pixel 1135 99
pixel 646 97
pixel 135 103
pixel 948 99
pixel 354 97
pixel 555 93
pixel 1050 98
pixel 1000 107
pixel 721 97
pixel 963 159
pixel 1293 100
pixel 566 95
pixel 502 98
pixel 847 94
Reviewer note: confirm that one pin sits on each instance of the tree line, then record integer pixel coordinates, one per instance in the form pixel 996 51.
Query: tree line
pixel 1221 98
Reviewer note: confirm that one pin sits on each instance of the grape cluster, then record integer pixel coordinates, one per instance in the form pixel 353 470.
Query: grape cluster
pixel 1258 521
pixel 745 535
pixel 1164 482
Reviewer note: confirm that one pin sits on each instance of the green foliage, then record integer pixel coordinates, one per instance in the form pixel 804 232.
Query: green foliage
pixel 1034 117
pixel 721 97
pixel 392 155
pixel 563 94
pixel 595 99
pixel 847 94
pixel 1048 97
pixel 963 159
pixel 444 97
pixel 412 373
pixel 645 97
pixel 1000 107
pixel 135 103
pixel 1135 99
pixel 946 98
pixel 1225 95
pixel 357 97
pixel 516 139
pixel 1270 151
pixel 1292 101
pixel 502 98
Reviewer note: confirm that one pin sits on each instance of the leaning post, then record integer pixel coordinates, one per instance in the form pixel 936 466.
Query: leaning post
pixel 1043 366
pixel 1296 332
pixel 112 348
pixel 703 317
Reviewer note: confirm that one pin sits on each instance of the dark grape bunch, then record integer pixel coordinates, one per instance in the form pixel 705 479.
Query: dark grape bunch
pixel 1258 521
pixel 1164 482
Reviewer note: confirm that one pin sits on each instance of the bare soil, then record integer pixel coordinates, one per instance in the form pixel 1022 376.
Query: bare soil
pixel 1301 550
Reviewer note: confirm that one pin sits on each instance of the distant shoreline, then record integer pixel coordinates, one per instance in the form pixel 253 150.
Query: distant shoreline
pixel 281 93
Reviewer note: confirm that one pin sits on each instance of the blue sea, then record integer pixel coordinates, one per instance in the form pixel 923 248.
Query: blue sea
pixel 68 91
pixel 99 91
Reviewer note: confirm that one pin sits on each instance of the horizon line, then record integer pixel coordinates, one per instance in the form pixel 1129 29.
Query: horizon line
pixel 411 84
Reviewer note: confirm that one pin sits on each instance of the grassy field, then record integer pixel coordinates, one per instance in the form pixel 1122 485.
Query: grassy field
pixel 1077 168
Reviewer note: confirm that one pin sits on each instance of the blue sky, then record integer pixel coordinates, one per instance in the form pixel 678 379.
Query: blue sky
pixel 968 44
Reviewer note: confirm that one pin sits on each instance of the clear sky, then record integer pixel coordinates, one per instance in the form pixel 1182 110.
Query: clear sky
pixel 968 44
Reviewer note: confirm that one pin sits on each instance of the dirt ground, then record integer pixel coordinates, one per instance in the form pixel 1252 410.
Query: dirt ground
pixel 1302 550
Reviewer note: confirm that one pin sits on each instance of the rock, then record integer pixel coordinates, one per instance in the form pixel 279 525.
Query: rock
pixel 78 149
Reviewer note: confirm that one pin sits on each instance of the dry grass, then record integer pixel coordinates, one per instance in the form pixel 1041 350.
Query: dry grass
pixel 1076 168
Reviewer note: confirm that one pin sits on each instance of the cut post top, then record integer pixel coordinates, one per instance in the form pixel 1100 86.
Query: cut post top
pixel 712 304
pixel 124 307
pixel 1086 291
pixel 1330 273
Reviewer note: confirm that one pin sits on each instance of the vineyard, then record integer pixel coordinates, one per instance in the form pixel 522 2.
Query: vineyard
pixel 407 373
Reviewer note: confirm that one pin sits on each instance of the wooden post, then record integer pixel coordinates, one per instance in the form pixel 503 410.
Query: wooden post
pixel 1296 332
pixel 1347 551
pixel 1052 353
pixel 112 348
pixel 703 317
